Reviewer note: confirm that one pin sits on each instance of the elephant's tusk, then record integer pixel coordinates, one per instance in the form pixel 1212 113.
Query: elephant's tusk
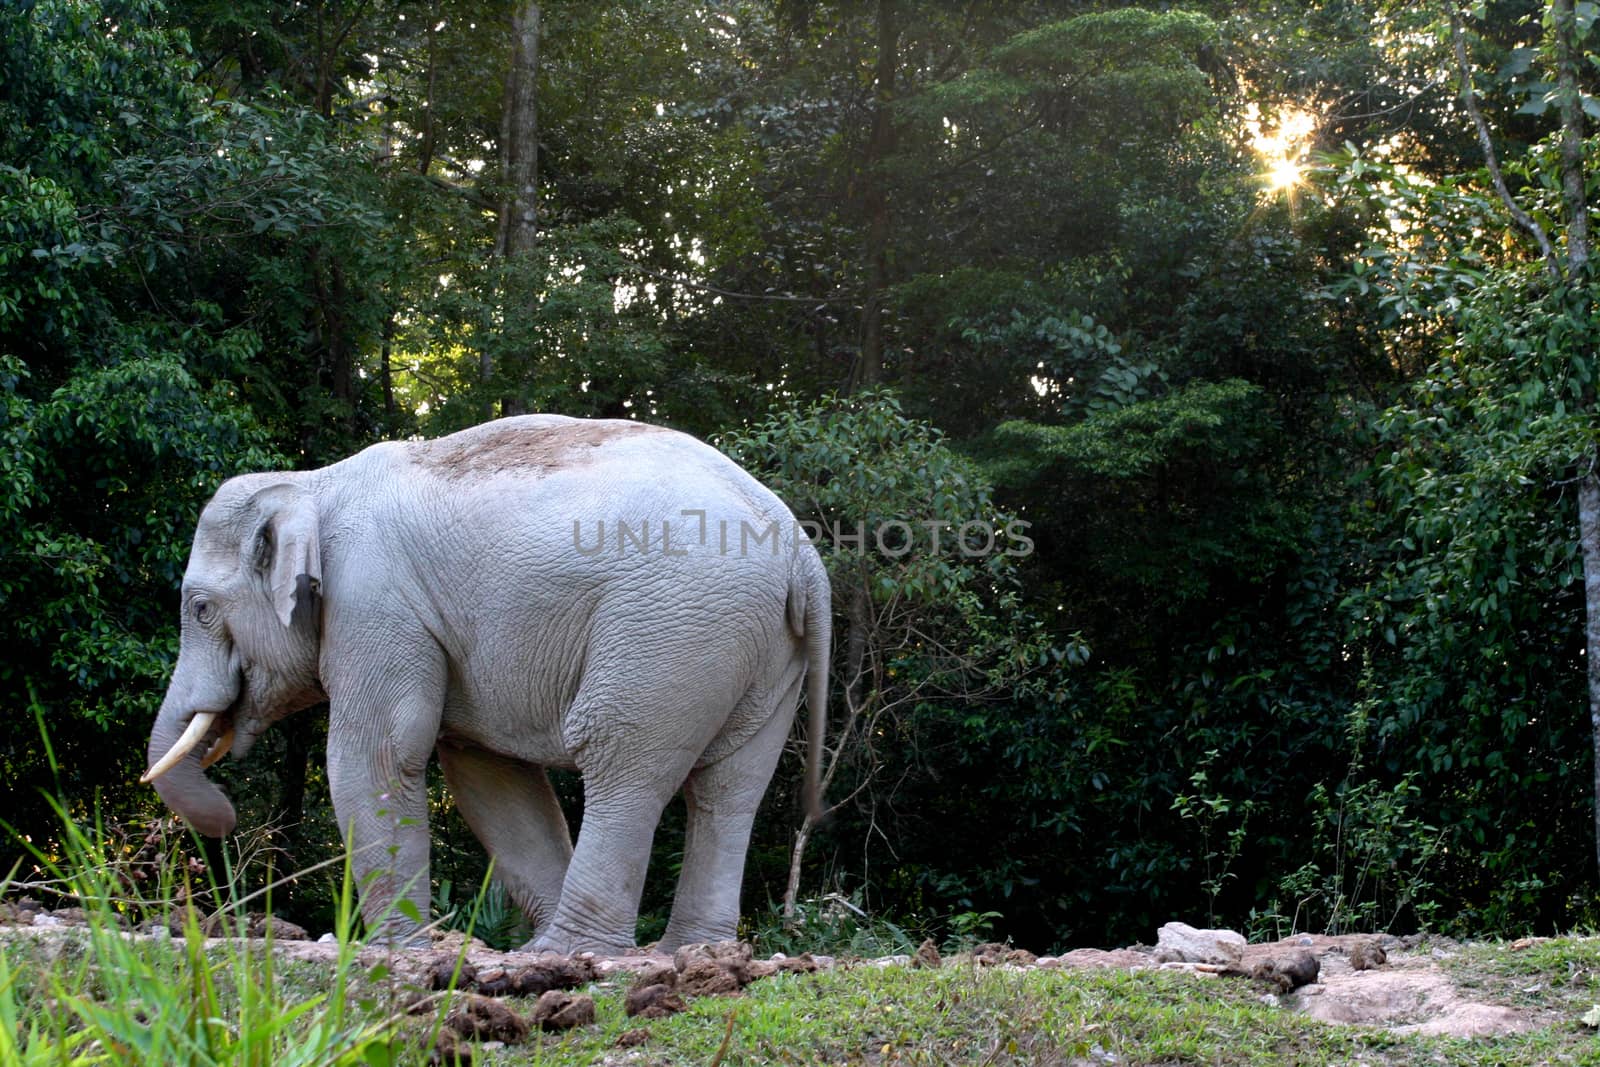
pixel 191 737
pixel 219 748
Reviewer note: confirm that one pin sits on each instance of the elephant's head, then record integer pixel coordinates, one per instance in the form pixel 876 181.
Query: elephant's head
pixel 250 635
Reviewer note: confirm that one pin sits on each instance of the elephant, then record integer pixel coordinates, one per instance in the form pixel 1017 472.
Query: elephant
pixel 534 592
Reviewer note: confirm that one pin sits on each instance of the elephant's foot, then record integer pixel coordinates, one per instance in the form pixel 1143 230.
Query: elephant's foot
pixel 565 943
pixel 675 939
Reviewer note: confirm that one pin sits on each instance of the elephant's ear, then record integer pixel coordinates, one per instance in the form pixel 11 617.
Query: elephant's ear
pixel 288 547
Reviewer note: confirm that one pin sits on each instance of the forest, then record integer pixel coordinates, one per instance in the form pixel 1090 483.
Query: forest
pixel 1269 323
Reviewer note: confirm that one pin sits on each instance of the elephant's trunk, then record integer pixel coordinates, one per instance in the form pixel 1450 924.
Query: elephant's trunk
pixel 183 786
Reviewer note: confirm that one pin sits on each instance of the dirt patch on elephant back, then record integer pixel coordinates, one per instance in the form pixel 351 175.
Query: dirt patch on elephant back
pixel 520 446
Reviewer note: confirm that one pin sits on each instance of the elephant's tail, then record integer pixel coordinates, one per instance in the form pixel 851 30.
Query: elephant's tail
pixel 811 618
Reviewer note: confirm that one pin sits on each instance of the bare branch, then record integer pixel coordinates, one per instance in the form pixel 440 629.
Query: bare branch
pixel 1469 97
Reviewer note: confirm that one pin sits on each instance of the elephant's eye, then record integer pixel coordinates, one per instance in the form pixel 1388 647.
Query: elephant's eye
pixel 202 610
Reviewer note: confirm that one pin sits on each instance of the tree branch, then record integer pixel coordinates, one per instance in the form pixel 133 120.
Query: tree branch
pixel 1469 97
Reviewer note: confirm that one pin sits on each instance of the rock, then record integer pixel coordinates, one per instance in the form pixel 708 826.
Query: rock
pixel 927 956
pixel 560 1010
pixel 1182 943
pixel 487 1019
pixel 72 916
pixel 633 1038
pixel 1122 958
pixel 653 1001
pixel 1367 955
pixel 326 939
pixel 46 919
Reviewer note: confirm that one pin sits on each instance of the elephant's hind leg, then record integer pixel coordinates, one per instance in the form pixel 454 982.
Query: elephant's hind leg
pixel 722 799
pixel 512 809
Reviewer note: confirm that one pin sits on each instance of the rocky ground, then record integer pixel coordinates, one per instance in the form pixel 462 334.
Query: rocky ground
pixel 1394 983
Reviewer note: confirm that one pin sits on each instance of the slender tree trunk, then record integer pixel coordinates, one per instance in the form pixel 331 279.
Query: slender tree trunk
pixel 1576 210
pixel 429 125
pixel 519 138
pixel 880 146
pixel 868 371
pixel 386 371
pixel 518 226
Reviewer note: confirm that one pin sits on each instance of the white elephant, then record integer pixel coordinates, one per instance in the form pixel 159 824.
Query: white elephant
pixel 534 592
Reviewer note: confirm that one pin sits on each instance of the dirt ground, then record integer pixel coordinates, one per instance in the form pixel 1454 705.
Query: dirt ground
pixel 1410 992
pixel 1407 990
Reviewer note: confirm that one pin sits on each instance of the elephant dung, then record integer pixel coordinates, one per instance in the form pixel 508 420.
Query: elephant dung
pixel 927 956
pixel 558 1010
pixel 495 982
pixel 993 954
pixel 1367 955
pixel 805 963
pixel 712 969
pixel 1182 943
pixel 1288 973
pixel 656 1001
pixel 633 1038
pixel 486 1019
pixel 552 972
pixel 448 1050
pixel 255 924
pixel 441 973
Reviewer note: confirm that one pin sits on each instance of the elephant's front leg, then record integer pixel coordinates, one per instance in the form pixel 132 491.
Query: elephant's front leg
pixel 379 740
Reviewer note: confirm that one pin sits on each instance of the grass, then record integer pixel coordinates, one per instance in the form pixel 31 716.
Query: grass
pixel 97 997
pixel 94 995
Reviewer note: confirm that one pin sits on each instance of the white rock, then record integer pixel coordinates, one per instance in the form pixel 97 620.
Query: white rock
pixel 1182 942
pixel 326 939
pixel 41 919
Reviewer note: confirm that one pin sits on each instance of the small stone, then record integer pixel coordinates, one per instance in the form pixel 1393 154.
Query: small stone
pixel 326 939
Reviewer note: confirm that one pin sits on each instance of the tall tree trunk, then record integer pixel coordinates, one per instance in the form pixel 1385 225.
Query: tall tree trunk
pixel 519 138
pixel 880 146
pixel 386 371
pixel 868 371
pixel 518 226
pixel 429 124
pixel 1569 57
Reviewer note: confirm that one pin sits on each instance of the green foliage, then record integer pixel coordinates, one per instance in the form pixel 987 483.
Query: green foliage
pixel 162 1000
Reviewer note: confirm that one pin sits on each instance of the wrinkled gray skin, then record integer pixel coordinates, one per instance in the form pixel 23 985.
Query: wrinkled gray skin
pixel 433 593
